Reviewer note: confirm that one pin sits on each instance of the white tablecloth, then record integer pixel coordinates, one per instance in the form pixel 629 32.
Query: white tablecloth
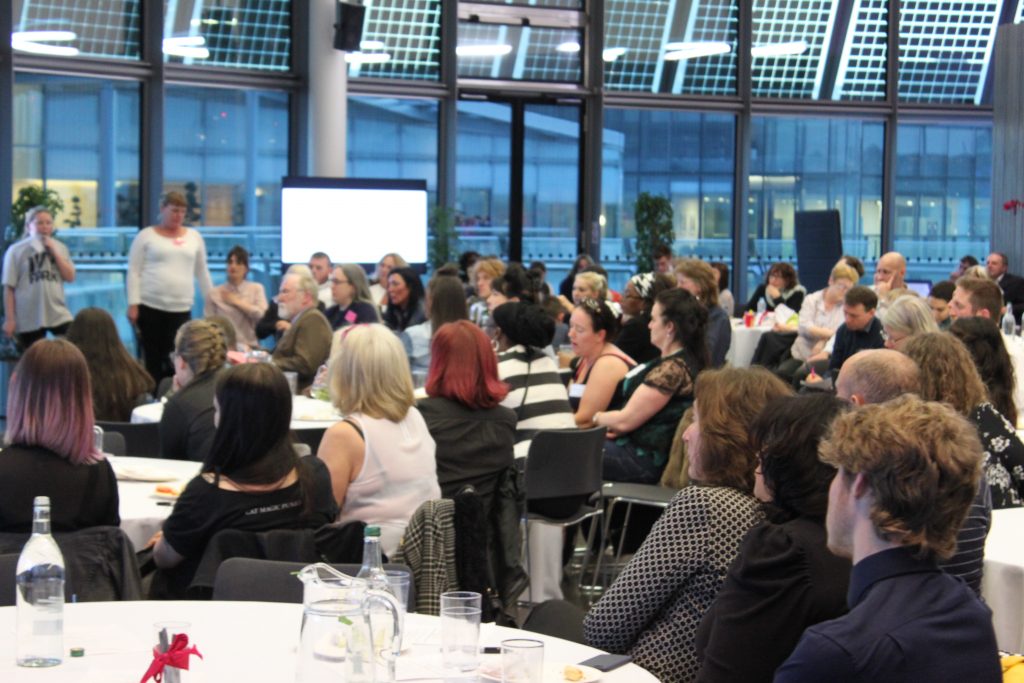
pixel 142 511
pixel 744 343
pixel 307 413
pixel 240 641
pixel 1003 582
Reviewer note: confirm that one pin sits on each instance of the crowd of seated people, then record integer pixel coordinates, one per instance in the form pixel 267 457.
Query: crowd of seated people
pixel 768 548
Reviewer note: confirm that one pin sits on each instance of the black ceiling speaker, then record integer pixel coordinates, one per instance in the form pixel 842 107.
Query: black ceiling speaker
pixel 348 26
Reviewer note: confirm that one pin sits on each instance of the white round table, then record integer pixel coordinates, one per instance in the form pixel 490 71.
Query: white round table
pixel 142 510
pixel 307 413
pixel 240 641
pixel 744 343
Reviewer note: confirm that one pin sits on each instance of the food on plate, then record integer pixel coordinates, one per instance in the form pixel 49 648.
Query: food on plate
pixel 166 490
pixel 572 673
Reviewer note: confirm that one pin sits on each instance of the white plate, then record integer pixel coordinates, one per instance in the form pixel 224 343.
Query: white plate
pixel 153 474
pixel 553 673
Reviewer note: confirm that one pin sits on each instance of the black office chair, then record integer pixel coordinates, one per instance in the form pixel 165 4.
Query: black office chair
pixel 8 580
pixel 141 440
pixel 614 494
pixel 246 579
pixel 114 443
pixel 565 463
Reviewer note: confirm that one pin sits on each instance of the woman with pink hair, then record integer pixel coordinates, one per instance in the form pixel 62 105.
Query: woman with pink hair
pixel 49 447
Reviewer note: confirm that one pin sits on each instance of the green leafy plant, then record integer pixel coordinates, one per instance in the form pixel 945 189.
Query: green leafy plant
pixel 443 240
pixel 29 196
pixel 653 215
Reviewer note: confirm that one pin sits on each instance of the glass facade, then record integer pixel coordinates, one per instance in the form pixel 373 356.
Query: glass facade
pixel 812 164
pixel 80 137
pixel 688 158
pixel 943 195
pixel 482 176
pixel 228 33
pixel 226 146
pixel 83 28
pixel 406 37
pixel 640 36
pixel 518 53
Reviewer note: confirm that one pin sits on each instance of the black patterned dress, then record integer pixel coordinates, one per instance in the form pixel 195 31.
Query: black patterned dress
pixel 1004 456
pixel 653 609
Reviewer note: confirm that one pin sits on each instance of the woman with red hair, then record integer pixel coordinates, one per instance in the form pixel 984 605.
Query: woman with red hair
pixel 474 434
pixel 48 447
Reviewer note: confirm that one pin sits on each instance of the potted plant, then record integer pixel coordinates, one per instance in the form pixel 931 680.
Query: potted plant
pixel 29 196
pixel 443 240
pixel 653 215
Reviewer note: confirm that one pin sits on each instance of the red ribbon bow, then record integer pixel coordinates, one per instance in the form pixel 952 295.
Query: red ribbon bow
pixel 177 656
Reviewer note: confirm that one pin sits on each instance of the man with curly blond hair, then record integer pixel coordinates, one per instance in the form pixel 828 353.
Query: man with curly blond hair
pixel 907 472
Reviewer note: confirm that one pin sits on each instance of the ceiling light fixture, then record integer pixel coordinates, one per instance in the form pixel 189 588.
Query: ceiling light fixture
pixel 680 51
pixel 367 57
pixel 483 50
pixel 796 47
pixel 610 54
pixel 35 42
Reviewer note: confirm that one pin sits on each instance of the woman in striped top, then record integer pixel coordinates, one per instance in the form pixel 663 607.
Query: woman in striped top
pixel 536 393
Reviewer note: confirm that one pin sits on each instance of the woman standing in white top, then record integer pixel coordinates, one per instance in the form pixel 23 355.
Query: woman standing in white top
pixel 162 263
pixel 381 456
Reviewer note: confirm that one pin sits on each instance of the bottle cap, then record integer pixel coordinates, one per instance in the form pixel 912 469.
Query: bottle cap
pixel 78 652
pixel 372 531
pixel 41 500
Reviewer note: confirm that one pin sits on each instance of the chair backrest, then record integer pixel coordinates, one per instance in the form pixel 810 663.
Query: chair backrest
pixel 246 579
pixel 99 562
pixel 141 440
pixel 113 443
pixel 311 436
pixel 564 462
pixel 8 567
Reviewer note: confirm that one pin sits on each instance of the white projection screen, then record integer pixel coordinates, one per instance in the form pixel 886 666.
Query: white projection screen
pixel 353 220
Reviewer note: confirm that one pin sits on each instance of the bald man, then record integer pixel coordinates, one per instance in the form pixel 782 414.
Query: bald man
pixel 890 272
pixel 876 376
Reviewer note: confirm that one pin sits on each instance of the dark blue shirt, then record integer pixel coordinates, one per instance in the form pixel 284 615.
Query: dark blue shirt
pixel 908 621
pixel 849 342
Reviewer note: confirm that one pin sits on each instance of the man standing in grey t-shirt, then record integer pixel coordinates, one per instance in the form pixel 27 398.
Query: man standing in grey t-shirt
pixel 35 270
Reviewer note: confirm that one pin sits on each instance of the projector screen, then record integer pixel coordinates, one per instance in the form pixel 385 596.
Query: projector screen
pixel 353 220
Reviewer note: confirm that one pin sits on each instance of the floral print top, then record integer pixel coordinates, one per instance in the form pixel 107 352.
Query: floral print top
pixel 1004 456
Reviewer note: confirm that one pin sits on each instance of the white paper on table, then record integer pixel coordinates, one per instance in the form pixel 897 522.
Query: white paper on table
pixel 783 313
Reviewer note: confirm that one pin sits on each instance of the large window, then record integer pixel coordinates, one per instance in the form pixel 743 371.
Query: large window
pixel 670 47
pixel 228 33
pixel 483 176
pixel 401 39
pixel 943 195
pixel 812 164
pixel 80 137
pixel 688 158
pixel 70 28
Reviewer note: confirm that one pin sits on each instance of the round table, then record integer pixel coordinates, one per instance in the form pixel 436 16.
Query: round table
pixel 744 343
pixel 142 510
pixel 307 413
pixel 240 641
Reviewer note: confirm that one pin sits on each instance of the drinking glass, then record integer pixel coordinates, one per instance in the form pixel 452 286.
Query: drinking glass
pixel 460 630
pixel 522 661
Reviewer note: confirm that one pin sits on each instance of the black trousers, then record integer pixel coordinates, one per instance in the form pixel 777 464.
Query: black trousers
pixel 27 339
pixel 156 330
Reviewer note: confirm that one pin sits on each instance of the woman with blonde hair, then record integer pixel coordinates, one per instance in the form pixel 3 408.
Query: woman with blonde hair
pixel 381 456
pixel 698 278
pixel 48 445
pixel 653 608
pixel 906 316
pixel 948 374
pixel 482 274
pixel 186 426
pixel 35 270
pixel 379 282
